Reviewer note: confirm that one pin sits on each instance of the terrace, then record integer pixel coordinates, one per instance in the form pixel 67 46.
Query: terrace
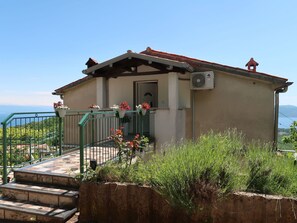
pixel 41 149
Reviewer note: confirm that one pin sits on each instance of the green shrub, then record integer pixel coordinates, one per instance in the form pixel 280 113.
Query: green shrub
pixel 206 167
pixel 190 173
pixel 269 173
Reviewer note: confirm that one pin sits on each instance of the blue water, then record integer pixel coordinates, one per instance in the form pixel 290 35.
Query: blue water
pixel 2 117
pixel 285 122
pixel 6 110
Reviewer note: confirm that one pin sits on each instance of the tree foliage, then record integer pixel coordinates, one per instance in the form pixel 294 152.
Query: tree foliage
pixel 292 138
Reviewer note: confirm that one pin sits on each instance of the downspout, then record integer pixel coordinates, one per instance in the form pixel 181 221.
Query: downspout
pixel 193 115
pixel 282 89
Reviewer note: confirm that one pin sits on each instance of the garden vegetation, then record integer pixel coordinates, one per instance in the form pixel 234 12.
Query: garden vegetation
pixel 215 165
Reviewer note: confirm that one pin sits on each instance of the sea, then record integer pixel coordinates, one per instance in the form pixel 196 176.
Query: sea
pixel 6 110
pixel 2 117
pixel 284 122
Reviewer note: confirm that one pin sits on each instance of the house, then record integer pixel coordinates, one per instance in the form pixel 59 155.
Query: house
pixel 188 96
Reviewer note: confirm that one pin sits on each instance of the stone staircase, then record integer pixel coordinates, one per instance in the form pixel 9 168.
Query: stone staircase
pixel 38 197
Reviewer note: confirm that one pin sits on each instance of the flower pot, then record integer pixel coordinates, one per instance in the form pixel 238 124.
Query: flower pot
pixel 143 112
pixel 61 113
pixel 122 113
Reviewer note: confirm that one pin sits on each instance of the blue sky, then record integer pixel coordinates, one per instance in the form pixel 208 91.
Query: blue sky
pixel 45 44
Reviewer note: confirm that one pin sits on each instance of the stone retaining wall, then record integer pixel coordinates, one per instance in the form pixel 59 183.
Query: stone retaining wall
pixel 114 202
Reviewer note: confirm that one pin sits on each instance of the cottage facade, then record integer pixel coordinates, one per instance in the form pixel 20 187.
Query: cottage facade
pixel 188 96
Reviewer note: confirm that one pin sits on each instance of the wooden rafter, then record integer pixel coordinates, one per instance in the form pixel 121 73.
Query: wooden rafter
pixel 129 67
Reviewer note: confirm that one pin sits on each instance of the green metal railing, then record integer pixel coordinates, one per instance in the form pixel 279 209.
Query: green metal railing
pixel 27 137
pixel 32 137
pixel 95 129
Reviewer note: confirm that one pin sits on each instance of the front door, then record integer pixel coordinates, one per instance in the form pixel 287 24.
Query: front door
pixel 145 91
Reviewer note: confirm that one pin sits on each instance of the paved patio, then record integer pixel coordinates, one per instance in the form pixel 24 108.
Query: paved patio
pixel 69 164
pixel 66 166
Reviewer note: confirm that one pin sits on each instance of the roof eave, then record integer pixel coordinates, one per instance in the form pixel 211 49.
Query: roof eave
pixel 61 90
pixel 131 55
pixel 57 93
pixel 243 73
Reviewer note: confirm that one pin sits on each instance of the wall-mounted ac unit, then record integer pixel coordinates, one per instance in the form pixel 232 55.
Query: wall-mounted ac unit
pixel 202 80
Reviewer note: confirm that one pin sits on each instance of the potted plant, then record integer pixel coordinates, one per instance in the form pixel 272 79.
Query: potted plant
pixel 142 108
pixel 121 109
pixel 94 107
pixel 60 109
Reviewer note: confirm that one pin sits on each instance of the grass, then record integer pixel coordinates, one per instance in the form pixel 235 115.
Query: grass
pixel 190 173
pixel 269 173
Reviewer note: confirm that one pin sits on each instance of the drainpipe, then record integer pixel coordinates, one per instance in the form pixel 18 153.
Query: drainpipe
pixel 282 89
pixel 193 115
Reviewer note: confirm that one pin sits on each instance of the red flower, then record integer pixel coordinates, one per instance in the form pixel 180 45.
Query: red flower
pixel 119 132
pixel 57 104
pixel 130 144
pixel 124 106
pixel 145 106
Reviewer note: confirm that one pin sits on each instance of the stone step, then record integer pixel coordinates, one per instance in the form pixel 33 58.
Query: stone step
pixel 49 195
pixel 30 212
pixel 22 175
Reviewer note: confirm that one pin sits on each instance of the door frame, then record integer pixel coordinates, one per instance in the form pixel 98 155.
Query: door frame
pixel 135 84
pixel 135 96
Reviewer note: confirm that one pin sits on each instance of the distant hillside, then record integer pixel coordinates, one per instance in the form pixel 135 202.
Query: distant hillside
pixel 288 110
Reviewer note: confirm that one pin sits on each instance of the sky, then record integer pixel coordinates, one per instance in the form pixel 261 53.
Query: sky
pixel 44 44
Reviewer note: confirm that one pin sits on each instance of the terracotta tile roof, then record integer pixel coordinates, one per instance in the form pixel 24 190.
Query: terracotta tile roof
pixel 196 63
pixel 61 90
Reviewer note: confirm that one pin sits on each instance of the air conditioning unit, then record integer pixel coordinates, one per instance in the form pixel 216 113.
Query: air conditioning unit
pixel 202 80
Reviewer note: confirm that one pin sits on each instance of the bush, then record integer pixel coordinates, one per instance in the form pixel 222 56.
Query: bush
pixel 269 173
pixel 198 170
pixel 191 173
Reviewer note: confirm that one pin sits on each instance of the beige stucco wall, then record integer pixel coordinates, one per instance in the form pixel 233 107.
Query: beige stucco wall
pixel 184 100
pixel 236 102
pixel 121 89
pixel 169 122
pixel 81 96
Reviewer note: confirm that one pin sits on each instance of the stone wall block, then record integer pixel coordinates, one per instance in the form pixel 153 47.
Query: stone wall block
pixel 144 196
pixel 161 209
pixel 83 202
pixel 118 203
pixel 219 208
pixel 114 202
pixel 132 203
pixel 100 195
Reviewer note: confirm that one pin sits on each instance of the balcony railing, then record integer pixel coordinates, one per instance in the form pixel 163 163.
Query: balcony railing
pixel 96 148
pixel 32 137
pixel 28 137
